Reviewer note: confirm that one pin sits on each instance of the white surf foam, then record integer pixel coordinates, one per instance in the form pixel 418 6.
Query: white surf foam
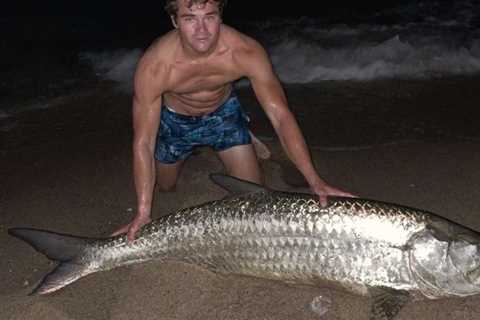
pixel 298 61
pixel 118 65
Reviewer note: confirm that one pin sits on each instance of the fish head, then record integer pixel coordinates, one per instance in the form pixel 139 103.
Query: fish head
pixel 445 265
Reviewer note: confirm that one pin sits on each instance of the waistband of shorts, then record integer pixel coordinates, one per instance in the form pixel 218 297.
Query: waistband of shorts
pixel 173 113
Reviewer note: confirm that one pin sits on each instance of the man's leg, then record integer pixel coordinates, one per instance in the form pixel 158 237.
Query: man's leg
pixel 241 162
pixel 167 175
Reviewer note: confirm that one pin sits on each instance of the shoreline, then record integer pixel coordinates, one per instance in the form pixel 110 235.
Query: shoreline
pixel 68 169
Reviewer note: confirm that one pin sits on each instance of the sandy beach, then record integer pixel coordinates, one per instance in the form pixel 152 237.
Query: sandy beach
pixel 67 168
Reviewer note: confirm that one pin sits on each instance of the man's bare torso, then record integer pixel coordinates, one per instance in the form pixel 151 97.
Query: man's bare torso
pixel 195 86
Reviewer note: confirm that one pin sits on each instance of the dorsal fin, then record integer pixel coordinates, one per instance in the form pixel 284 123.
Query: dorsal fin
pixel 235 185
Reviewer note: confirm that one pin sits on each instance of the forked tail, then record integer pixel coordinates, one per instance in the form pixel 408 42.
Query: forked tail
pixel 59 247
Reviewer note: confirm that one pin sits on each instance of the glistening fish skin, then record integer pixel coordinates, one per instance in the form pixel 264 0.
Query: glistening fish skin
pixel 362 245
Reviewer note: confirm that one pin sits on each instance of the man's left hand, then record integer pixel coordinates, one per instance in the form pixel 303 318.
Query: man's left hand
pixel 323 190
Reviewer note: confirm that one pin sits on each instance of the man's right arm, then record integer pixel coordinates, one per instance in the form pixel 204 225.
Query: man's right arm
pixel 147 102
pixel 146 118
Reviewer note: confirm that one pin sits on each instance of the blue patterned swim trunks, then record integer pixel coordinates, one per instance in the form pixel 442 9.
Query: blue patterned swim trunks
pixel 179 134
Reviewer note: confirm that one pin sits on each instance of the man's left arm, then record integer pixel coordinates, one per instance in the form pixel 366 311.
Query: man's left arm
pixel 271 96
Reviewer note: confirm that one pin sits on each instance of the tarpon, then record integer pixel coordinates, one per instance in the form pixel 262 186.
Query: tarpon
pixel 389 252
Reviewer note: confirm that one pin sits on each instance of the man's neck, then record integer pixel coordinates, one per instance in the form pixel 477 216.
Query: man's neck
pixel 193 55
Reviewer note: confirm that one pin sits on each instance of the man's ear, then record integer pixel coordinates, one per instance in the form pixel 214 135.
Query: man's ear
pixel 174 21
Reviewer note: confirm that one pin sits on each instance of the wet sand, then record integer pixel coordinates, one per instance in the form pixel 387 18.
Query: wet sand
pixel 67 168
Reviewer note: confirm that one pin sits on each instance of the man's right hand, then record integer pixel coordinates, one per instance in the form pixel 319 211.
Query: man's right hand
pixel 132 228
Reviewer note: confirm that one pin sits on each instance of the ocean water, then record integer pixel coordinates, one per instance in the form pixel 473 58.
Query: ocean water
pixel 414 39
pixel 46 57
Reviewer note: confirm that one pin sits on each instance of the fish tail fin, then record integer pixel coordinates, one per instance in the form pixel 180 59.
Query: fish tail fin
pixel 64 274
pixel 59 247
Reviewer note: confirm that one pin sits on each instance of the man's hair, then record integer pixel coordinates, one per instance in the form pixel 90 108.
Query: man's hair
pixel 171 6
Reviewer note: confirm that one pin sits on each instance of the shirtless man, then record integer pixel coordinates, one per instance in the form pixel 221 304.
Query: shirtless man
pixel 183 98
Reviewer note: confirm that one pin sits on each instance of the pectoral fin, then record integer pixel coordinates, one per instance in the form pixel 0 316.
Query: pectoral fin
pixel 387 302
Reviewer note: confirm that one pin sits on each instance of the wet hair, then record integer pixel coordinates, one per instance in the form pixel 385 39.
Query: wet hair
pixel 171 6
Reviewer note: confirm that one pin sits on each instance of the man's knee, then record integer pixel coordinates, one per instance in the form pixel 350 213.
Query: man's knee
pixel 167 176
pixel 241 162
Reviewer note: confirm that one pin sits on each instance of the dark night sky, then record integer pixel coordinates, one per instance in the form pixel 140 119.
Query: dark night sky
pixel 127 20
pixel 155 8
pixel 148 17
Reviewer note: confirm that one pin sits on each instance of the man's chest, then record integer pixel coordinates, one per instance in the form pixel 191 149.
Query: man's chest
pixel 201 77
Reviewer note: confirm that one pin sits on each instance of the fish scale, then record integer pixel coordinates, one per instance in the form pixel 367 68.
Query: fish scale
pixel 260 234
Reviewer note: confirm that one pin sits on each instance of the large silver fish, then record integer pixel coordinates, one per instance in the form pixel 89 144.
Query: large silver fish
pixel 387 251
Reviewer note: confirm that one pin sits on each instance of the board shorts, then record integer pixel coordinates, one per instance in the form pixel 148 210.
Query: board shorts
pixel 180 134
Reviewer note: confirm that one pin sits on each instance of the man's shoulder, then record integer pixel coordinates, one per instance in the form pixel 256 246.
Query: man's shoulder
pixel 158 53
pixel 238 39
pixel 153 68
pixel 243 46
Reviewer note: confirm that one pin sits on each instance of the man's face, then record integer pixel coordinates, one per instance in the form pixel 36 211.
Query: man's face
pixel 199 25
